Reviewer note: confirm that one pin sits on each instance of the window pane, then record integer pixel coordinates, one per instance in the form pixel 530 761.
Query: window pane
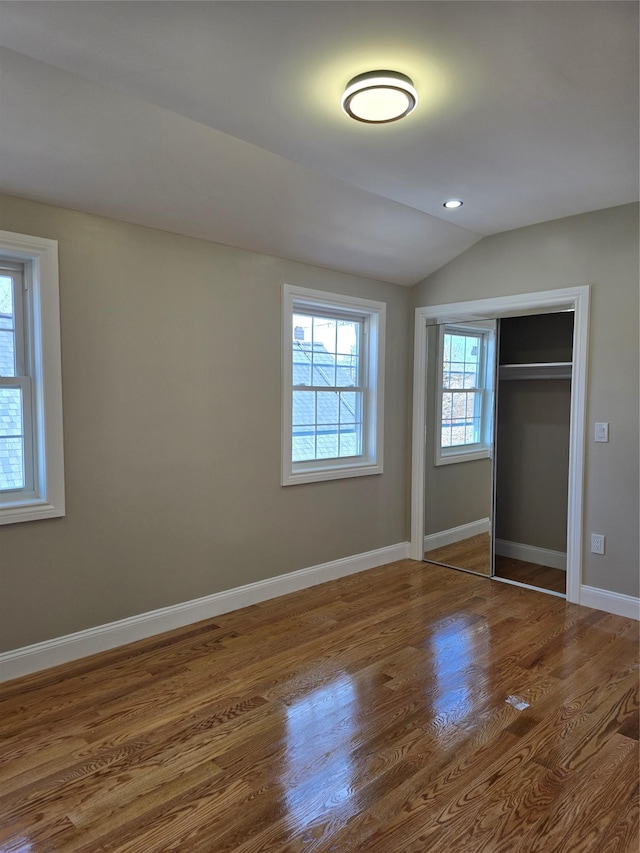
pixel 458 433
pixel 471 349
pixel 10 412
pixel 11 439
pixel 447 409
pixel 453 361
pixel 327 442
pixel 7 353
pixel 301 364
pixel 461 417
pixel 461 361
pixel 350 407
pixel 326 351
pixel 303 447
pixel 303 444
pixel 327 407
pixel 11 464
pixel 471 365
pixel 324 367
pixel 302 350
pixel 351 424
pixel 326 424
pixel 446 356
pixel 457 348
pixel 347 370
pixel 453 376
pixel 6 295
pixel 7 338
pixel 304 408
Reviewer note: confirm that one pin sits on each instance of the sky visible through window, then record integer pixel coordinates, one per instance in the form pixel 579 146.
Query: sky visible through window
pixel 338 336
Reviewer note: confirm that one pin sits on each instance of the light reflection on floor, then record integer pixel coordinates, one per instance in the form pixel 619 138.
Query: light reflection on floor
pixel 319 730
pixel 18 846
pixel 456 645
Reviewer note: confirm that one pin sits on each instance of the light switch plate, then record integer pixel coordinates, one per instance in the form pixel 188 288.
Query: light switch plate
pixel 602 432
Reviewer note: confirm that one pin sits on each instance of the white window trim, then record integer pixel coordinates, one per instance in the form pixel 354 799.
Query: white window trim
pixel 482 450
pixel 371 462
pixel 40 259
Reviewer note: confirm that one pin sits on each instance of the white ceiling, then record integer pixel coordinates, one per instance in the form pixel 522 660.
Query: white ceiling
pixel 222 120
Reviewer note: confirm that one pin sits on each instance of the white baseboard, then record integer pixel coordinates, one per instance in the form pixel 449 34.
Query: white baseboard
pixel 456 534
pixel 611 602
pixel 28 659
pixel 532 554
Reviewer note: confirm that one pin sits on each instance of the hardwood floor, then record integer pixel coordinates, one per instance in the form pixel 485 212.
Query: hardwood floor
pixel 409 708
pixel 472 554
pixel 531 573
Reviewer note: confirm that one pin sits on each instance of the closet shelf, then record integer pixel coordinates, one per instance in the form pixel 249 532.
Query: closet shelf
pixel 537 370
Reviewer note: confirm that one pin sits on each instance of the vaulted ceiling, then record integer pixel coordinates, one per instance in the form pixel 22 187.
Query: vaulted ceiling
pixel 222 120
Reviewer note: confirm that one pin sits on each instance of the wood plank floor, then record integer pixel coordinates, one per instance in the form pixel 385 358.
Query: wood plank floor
pixel 472 554
pixel 531 573
pixel 407 708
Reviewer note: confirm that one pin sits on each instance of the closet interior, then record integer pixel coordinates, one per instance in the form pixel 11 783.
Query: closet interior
pixel 531 456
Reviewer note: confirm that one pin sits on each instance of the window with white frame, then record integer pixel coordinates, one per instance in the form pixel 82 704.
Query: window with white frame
pixel 333 367
pixel 465 391
pixel 31 452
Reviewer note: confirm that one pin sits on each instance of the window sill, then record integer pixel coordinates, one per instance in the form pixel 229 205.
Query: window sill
pixel 28 511
pixel 318 474
pixel 463 456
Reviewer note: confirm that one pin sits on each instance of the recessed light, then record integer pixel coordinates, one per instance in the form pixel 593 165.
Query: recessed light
pixel 378 97
pixel 452 204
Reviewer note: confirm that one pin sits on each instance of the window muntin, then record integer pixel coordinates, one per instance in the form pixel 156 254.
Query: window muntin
pixel 465 378
pixel 332 398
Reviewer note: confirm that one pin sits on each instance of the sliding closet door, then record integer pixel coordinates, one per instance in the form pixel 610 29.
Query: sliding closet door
pixel 459 445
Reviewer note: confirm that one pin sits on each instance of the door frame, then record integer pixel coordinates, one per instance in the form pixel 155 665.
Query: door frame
pixel 574 299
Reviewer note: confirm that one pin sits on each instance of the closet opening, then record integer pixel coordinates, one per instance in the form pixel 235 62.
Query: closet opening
pixel 531 456
pixel 498 438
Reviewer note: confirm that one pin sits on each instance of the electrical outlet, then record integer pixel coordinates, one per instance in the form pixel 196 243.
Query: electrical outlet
pixel 597 543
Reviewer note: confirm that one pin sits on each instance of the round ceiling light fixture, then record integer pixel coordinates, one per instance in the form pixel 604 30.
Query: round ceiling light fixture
pixel 378 97
pixel 452 204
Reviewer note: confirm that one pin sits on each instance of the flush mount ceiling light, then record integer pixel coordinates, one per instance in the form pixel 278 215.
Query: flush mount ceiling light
pixel 452 204
pixel 378 97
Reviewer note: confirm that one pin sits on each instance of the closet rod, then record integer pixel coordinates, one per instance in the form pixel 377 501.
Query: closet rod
pixel 538 370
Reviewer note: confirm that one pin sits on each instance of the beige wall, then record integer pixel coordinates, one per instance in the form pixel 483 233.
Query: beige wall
pixel 171 384
pixel 600 249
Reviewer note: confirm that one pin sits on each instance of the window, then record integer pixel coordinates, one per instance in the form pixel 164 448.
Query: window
pixel 333 360
pixel 465 377
pixel 31 462
pixel 16 464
